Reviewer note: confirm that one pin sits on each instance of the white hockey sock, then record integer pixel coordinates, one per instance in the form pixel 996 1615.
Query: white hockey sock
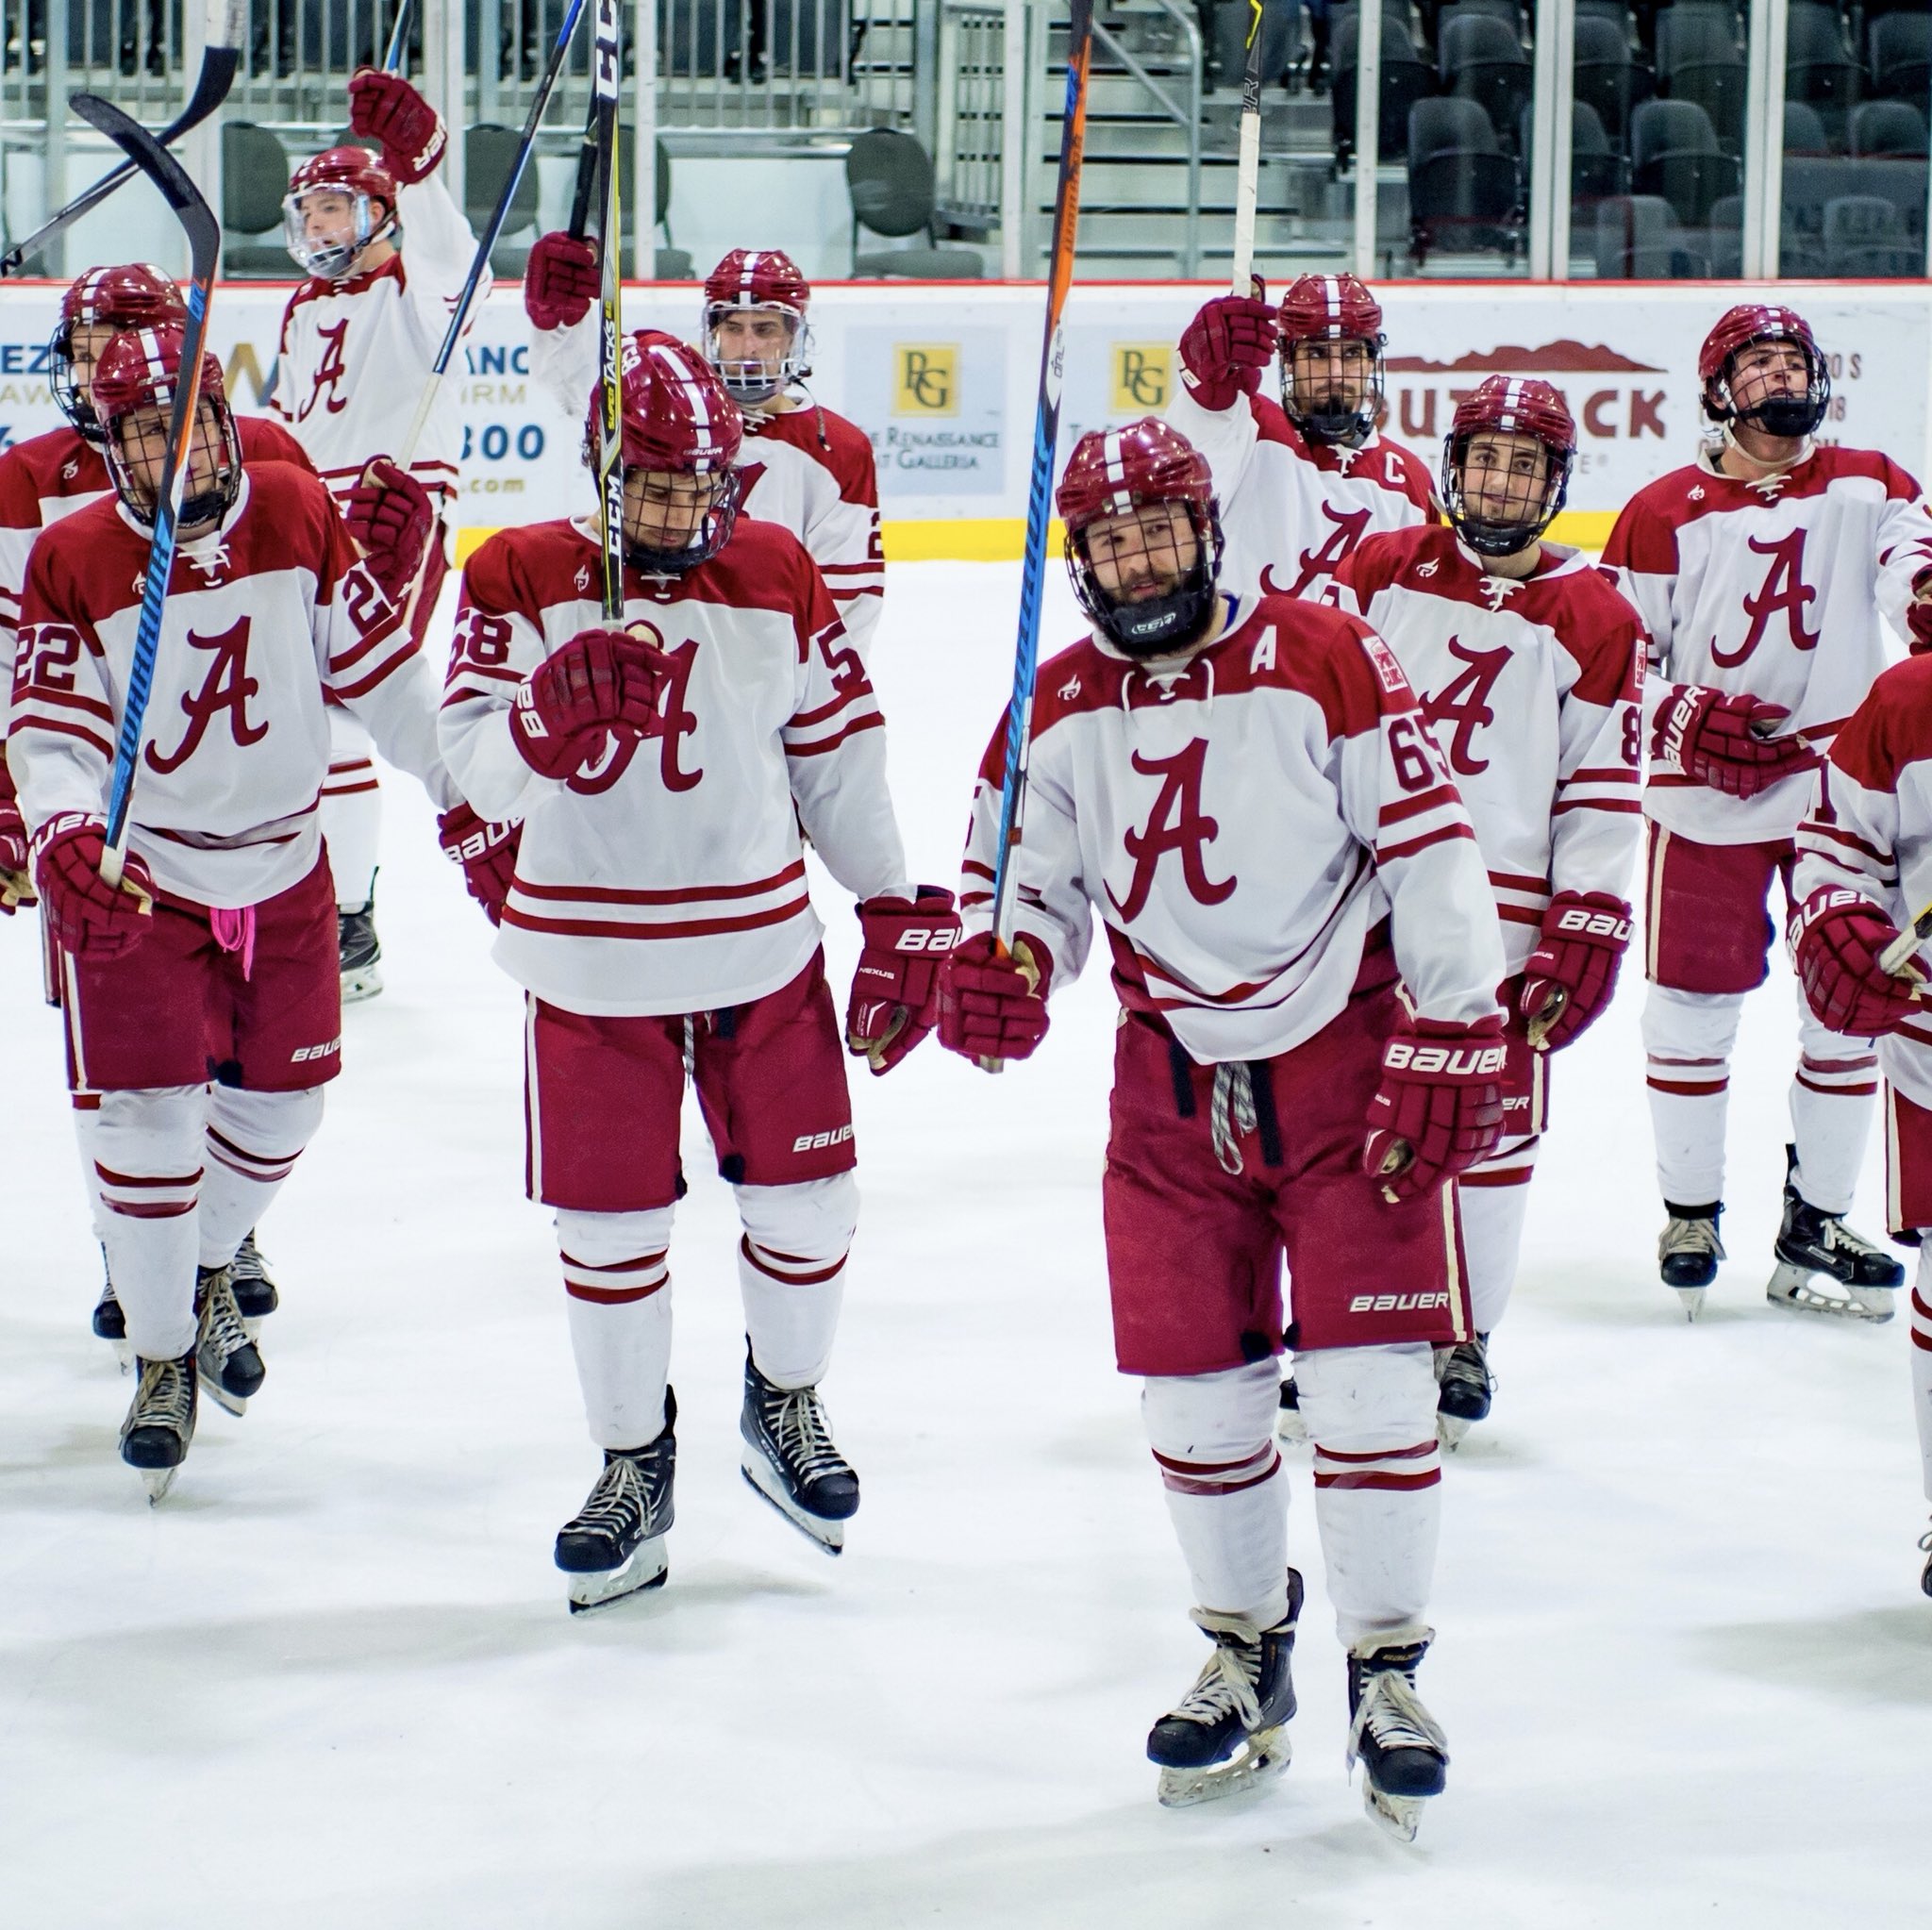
pixel 253 1142
pixel 791 1271
pixel 1213 1441
pixel 1378 1496
pixel 86 1115
pixel 147 1166
pixel 1833 1097
pixel 618 1288
pixel 1491 1200
pixel 351 810
pixel 1921 1359
pixel 1688 1037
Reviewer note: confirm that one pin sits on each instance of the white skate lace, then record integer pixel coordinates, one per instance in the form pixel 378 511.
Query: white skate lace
pixel 220 1319
pixel 1835 1233
pixel 248 1263
pixel 1393 1713
pixel 1231 1112
pixel 1688 1236
pixel 802 1430
pixel 1466 1363
pixel 619 1502
pixel 162 1400
pixel 1227 1682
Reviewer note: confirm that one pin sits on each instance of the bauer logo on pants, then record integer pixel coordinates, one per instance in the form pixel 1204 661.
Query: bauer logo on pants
pixel 926 378
pixel 1142 375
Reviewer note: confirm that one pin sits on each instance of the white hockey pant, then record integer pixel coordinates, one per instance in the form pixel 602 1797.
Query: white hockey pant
pixel 351 809
pixel 1491 1200
pixel 1687 1042
pixel 86 1115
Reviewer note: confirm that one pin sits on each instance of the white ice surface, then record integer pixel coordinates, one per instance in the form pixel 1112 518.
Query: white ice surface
pixel 1684 1665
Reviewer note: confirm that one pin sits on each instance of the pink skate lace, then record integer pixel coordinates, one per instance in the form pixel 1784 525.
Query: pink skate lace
pixel 234 932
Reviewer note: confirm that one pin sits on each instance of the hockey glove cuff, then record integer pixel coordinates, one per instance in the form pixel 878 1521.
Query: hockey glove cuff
pixel 1440 1109
pixel 560 282
pixel 1837 940
pixel 895 992
pixel 386 111
pixel 16 881
pixel 1572 974
pixel 488 854
pixel 87 916
pixel 1226 348
pixel 993 1006
pixel 1919 622
pixel 390 516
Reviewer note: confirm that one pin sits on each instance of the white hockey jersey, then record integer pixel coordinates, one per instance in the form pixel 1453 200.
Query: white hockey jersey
pixel 1533 689
pixel 265 614
pixel 1776 588
pixel 1241 823
pixel 669 875
pixel 1292 509
pixel 355 355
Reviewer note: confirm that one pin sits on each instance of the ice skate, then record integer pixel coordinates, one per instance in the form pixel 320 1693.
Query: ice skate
pixel 1925 1573
pixel 1403 1754
pixel 614 1546
pixel 254 1293
pixel 361 953
pixel 1288 1424
pixel 789 1458
pixel 227 1360
pixel 110 1324
pixel 1811 1243
pixel 1464 1373
pixel 1230 1729
pixel 161 1422
pixel 1687 1251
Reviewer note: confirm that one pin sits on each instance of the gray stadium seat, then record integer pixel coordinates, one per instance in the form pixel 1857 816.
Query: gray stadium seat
pixel 889 178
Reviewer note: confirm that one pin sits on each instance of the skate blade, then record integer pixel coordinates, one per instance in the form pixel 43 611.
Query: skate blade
pixel 830 1536
pixel 360 985
pixel 1690 1299
pixel 236 1405
pixel 124 1353
pixel 1265 1753
pixel 647 1568
pixel 1290 1427
pixel 1791 1287
pixel 1450 1429
pixel 1398 1814
pixel 157 1481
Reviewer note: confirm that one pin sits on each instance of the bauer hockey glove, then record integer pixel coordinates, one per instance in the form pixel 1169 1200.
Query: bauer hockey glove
pixel 1226 347
pixel 600 681
pixel 993 1007
pixel 895 992
pixel 390 516
pixel 560 282
pixel 488 854
pixel 87 916
pixel 384 108
pixel 16 881
pixel 1919 622
pixel 1570 976
pixel 1725 738
pixel 1837 940
pixel 1439 1109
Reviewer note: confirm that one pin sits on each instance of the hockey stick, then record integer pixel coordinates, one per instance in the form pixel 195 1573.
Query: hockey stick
pixel 1897 957
pixel 606 67
pixel 587 172
pixel 145 153
pixel 393 54
pixel 219 57
pixel 1247 192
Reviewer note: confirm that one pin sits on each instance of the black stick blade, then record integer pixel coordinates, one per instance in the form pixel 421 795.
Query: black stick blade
pixel 153 160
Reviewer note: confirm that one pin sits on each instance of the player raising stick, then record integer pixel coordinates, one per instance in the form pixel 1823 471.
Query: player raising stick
pixel 660 919
pixel 1761 572
pixel 1247 797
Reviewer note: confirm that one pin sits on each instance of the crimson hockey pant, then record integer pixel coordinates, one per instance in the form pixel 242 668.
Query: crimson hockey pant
pixel 1687 1040
pixel 1372 1416
pixel 183 1171
pixel 351 809
pixel 790 1271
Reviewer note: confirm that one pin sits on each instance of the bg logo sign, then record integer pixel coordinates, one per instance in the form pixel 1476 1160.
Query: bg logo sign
pixel 926 378
pixel 1142 375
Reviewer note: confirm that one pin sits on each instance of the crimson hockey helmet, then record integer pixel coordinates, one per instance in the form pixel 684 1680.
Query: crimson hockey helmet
pixel 367 186
pixel 1137 473
pixel 1332 403
pixel 139 372
pixel 1775 413
pixel 1513 508
pixel 130 297
pixel 758 279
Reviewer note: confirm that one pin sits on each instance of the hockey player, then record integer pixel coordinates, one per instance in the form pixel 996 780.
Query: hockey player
pixel 1864 871
pixel 1246 795
pixel 1761 572
pixel 201 997
pixel 359 338
pixel 802 466
pixel 660 919
pixel 1300 482
pixel 1528 665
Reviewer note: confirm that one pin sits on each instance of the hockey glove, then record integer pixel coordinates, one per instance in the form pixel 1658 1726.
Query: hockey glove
pixel 384 109
pixel 1837 938
pixel 895 992
pixel 16 881
pixel 390 516
pixel 86 915
pixel 993 1007
pixel 488 854
pixel 600 681
pixel 1570 976
pixel 1919 621
pixel 1440 1109
pixel 560 282
pixel 1226 348
pixel 1724 739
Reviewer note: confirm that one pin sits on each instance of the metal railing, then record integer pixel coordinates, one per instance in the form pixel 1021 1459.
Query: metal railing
pixel 1184 108
pixel 969 142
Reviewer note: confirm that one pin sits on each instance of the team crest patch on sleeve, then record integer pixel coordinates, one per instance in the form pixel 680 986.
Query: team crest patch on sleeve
pixel 1386 667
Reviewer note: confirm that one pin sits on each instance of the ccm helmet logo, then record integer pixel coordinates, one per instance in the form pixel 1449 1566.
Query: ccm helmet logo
pixel 926 938
pixel 1458 1062
pixel 813 1142
pixel 1577 923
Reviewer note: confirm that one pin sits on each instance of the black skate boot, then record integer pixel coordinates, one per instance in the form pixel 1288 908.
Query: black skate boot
pixel 361 952
pixel 1687 1251
pixel 161 1422
pixel 1405 1755
pixel 227 1360
pixel 109 1322
pixel 1811 1241
pixel 1288 1424
pixel 1228 1731
pixel 789 1458
pixel 614 1545
pixel 1466 1389
pixel 254 1293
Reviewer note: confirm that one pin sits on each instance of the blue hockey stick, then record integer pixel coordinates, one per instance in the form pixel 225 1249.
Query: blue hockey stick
pixel 393 57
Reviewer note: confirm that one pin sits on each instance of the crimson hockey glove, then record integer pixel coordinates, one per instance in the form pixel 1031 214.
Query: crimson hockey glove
pixel 1837 938
pixel 390 516
pixel 385 110
pixel 895 992
pixel 600 681
pixel 1226 348
pixel 1724 739
pixel 488 854
pixel 560 282
pixel 1919 621
pixel 1440 1109
pixel 1570 976
pixel 87 916
pixel 16 880
pixel 993 1007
